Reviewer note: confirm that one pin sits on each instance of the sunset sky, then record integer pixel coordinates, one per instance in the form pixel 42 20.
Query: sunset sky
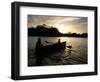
pixel 64 24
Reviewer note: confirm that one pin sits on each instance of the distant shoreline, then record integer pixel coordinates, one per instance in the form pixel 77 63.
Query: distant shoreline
pixel 44 31
pixel 57 36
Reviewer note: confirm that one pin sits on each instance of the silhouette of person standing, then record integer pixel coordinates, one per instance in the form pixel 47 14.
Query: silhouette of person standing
pixel 38 44
pixel 59 46
pixel 58 41
pixel 39 55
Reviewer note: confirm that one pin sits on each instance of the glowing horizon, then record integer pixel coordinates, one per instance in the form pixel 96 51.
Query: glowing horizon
pixel 64 24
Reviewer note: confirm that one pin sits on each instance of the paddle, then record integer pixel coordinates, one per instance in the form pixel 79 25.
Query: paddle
pixel 69 47
pixel 47 42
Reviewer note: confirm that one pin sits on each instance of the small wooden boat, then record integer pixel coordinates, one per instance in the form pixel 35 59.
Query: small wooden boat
pixel 53 47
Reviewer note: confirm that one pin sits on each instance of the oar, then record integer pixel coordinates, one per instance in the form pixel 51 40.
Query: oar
pixel 69 47
pixel 48 42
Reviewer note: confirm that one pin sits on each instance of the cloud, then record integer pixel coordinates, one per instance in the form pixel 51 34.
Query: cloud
pixel 77 23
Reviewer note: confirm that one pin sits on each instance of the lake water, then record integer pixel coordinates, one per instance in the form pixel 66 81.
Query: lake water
pixel 76 55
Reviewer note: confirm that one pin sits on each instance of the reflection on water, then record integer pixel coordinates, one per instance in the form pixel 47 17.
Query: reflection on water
pixel 76 55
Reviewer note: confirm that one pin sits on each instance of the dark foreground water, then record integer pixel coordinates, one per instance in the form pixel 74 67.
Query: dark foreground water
pixel 76 55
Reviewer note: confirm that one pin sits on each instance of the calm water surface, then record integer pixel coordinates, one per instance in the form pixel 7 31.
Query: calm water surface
pixel 76 55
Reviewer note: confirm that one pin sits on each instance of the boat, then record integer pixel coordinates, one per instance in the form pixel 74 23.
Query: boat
pixel 53 47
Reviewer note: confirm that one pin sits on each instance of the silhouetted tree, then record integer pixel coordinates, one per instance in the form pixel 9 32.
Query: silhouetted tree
pixel 44 30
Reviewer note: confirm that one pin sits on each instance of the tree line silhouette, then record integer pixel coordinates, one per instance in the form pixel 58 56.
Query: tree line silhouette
pixel 44 30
